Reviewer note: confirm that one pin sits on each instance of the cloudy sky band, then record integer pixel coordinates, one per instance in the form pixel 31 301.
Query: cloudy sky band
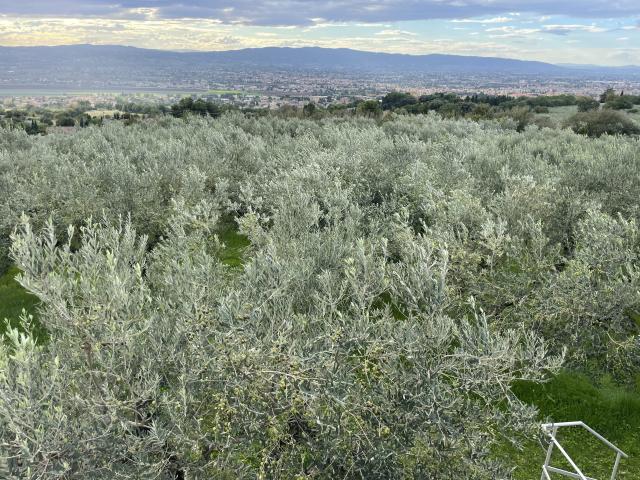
pixel 585 31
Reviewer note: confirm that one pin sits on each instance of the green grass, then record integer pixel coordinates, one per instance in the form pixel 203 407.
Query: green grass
pixel 635 116
pixel 611 410
pixel 14 299
pixel 234 243
pixel 560 114
pixel 224 92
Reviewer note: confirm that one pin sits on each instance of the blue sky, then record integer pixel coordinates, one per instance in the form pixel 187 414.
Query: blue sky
pixel 560 31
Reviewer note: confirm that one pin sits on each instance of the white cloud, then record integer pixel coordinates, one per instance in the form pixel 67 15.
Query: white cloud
pixel 566 29
pixel 322 23
pixel 480 20
pixel 632 27
pixel 508 31
pixel 395 33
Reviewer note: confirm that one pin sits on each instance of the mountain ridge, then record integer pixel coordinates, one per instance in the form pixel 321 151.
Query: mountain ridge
pixel 312 49
pixel 100 66
pixel 302 57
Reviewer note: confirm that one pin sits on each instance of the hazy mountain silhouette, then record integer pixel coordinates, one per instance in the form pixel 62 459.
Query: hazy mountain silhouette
pixel 307 57
pixel 90 65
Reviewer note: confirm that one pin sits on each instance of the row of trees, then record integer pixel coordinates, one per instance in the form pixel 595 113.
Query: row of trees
pixel 523 110
pixel 36 121
pixel 518 113
pixel 452 105
pixel 199 106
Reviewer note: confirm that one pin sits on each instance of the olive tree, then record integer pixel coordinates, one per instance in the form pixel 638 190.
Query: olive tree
pixel 323 357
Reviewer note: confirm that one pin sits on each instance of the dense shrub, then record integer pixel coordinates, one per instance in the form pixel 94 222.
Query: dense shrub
pixel 162 364
pixel 65 122
pixel 188 105
pixel 586 104
pixel 397 100
pixel 619 103
pixel 606 121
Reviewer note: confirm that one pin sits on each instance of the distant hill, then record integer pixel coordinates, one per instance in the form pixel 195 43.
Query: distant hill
pixel 307 57
pixel 624 69
pixel 343 58
pixel 93 65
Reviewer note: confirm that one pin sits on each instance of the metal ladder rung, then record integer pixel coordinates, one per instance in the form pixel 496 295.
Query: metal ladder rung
pixel 551 429
pixel 551 469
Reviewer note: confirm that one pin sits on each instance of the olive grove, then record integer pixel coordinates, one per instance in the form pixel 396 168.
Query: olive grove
pixel 399 277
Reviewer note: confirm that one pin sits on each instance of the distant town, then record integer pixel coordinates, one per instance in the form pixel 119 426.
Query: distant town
pixel 273 90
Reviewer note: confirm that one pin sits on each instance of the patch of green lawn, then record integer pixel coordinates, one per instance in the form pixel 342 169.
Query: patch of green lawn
pixel 234 243
pixel 560 114
pixel 612 411
pixel 14 299
pixel 224 92
pixel 635 116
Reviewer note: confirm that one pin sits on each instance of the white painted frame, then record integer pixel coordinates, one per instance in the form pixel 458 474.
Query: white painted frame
pixel 551 429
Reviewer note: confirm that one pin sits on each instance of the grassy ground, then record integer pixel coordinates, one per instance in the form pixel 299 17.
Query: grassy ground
pixel 635 116
pixel 14 299
pixel 224 92
pixel 234 244
pixel 102 113
pixel 560 114
pixel 611 410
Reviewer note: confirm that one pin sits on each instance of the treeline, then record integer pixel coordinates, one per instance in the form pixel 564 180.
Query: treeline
pixel 199 106
pixel 38 120
pixel 621 101
pixel 589 118
pixel 452 105
pixel 593 117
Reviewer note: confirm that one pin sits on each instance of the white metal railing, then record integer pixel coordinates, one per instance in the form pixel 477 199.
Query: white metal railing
pixel 551 429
